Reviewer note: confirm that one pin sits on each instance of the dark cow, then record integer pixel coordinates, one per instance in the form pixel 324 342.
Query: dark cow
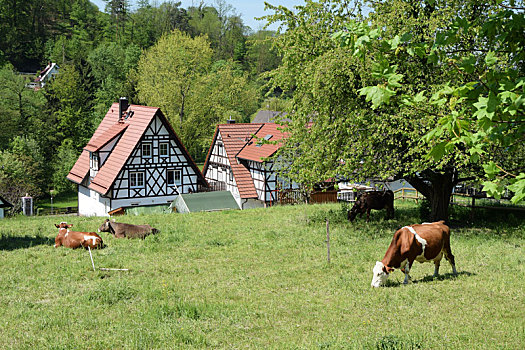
pixel 422 243
pixel 373 200
pixel 75 239
pixel 121 230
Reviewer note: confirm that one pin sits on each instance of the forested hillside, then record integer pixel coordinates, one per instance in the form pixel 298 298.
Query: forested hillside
pixel 199 64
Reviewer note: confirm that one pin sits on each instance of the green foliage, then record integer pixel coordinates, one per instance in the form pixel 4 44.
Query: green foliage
pixel 479 108
pixel 70 108
pixel 177 75
pixel 22 170
pixel 19 106
pixel 66 157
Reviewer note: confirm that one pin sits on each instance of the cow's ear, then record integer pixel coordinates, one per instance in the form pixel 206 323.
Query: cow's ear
pixel 406 242
pixel 57 226
pixel 70 225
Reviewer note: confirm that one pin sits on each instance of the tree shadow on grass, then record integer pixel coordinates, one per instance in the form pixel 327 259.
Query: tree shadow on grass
pixel 426 279
pixel 22 242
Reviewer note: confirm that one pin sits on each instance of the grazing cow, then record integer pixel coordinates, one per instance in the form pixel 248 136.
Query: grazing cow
pixel 74 239
pixel 422 243
pixel 121 230
pixel 373 200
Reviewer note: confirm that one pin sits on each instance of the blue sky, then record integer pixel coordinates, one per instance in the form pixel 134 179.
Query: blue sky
pixel 248 9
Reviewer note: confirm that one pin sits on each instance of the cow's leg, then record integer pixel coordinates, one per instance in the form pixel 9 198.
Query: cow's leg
pixel 405 268
pixel 448 254
pixel 407 276
pixel 368 215
pixel 390 212
pixel 436 268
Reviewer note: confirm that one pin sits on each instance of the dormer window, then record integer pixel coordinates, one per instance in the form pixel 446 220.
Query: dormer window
pixel 146 150
pixel 93 160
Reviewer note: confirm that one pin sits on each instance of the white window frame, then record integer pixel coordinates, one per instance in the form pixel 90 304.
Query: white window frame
pixel 149 145
pixel 167 144
pixel 134 177
pixel 175 182
pixel 94 160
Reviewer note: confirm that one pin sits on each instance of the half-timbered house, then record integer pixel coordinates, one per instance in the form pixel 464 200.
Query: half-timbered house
pixel 134 158
pixel 237 162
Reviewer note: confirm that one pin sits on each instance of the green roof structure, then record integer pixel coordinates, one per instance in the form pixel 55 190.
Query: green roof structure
pixel 204 201
pixel 4 203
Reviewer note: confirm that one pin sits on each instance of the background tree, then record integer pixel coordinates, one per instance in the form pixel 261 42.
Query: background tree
pixel 349 138
pixel 479 110
pixel 19 106
pixel 168 72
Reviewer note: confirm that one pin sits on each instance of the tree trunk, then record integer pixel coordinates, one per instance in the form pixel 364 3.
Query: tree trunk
pixel 437 188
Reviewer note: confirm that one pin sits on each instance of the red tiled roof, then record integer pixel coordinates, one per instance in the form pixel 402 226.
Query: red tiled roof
pixel 106 137
pixel 81 167
pixel 234 137
pixel 133 129
pixel 255 151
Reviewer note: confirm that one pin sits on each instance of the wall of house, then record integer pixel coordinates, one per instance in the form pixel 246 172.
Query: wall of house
pixel 91 203
pixel 1 213
pixel 219 170
pixel 155 168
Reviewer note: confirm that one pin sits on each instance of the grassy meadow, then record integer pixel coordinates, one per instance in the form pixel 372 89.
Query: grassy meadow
pixel 260 279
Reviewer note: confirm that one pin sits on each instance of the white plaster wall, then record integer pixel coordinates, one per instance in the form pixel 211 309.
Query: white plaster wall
pixel 90 203
pixel 251 204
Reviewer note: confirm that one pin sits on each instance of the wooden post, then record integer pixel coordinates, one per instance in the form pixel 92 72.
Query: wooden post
pixel 328 239
pixel 91 256
pixel 472 208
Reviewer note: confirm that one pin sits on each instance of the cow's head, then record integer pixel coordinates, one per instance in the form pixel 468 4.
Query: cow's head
pixel 358 208
pixel 104 227
pixel 63 224
pixel 63 228
pixel 381 273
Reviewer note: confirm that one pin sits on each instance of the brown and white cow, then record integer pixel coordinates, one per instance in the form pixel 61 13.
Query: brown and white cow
pixel 376 200
pixel 75 239
pixel 121 230
pixel 422 243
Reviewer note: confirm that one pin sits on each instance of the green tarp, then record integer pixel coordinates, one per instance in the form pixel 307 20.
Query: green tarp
pixel 151 209
pixel 204 201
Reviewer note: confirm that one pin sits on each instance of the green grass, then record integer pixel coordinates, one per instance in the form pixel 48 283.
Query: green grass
pixel 63 200
pixel 260 279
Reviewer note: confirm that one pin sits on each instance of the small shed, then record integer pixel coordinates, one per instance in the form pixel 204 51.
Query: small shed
pixel 204 201
pixel 4 204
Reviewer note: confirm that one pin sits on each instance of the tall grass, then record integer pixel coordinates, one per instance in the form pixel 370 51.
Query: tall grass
pixel 259 279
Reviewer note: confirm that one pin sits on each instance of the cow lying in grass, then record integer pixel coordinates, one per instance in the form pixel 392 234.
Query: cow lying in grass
pixel 422 243
pixel 121 230
pixel 74 239
pixel 373 200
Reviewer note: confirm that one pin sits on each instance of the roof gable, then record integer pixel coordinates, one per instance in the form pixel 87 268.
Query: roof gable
pixel 132 130
pixel 234 137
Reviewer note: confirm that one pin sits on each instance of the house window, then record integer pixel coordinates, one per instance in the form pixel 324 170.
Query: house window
pixel 93 160
pixel 164 149
pixel 146 150
pixel 136 179
pixel 174 177
pixel 231 175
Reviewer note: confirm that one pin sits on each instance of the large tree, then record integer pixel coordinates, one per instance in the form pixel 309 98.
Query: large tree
pixel 480 106
pixel 350 137
pixel 178 76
